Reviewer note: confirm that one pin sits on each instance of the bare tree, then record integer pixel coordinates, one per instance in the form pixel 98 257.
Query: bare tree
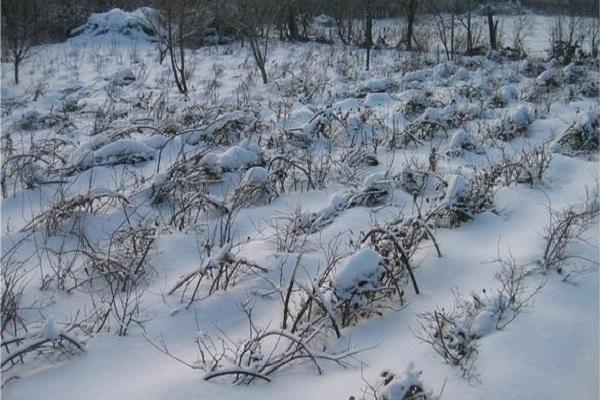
pixel 178 20
pixel 410 8
pixel 492 26
pixel 253 19
pixel 20 30
pixel 443 21
pixel 368 11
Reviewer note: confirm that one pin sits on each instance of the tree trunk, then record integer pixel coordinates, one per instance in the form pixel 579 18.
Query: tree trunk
pixel 16 63
pixel 452 37
pixel 369 35
pixel 492 29
pixel 409 33
pixel 291 23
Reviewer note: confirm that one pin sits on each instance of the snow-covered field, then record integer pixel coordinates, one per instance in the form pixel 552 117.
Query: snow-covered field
pixel 140 222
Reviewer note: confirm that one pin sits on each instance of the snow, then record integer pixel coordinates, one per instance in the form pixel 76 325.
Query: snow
pixel 457 186
pixel 548 75
pixel 132 24
pixel 124 76
pixel 379 85
pixel 362 267
pixel 377 100
pixel 255 176
pixel 235 135
pixel 415 76
pixel 236 157
pixel 520 116
pixel 50 330
pixel 401 384
pixel 508 93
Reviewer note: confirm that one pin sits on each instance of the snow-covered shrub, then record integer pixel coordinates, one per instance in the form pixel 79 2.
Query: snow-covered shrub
pixel 256 186
pixel 217 272
pixel 363 286
pixel 391 385
pixel 228 129
pixel 123 151
pixel 583 136
pixel 506 95
pixel 263 352
pixel 132 24
pixel 567 227
pixel 122 77
pixel 48 340
pixel 454 332
pixel 514 124
pixel 460 142
pixel 64 209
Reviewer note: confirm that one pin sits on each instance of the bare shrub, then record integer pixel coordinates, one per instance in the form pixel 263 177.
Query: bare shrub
pixel 68 209
pixel 217 272
pixel 566 228
pixel 261 354
pixel 454 333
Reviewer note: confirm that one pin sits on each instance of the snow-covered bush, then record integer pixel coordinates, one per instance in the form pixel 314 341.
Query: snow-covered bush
pixel 460 142
pixel 391 385
pixel 514 124
pixel 48 340
pixel 263 352
pixel 583 136
pixel 226 130
pixel 217 272
pixel 122 77
pixel 567 227
pixel 65 209
pixel 454 332
pixel 132 24
pixel 363 286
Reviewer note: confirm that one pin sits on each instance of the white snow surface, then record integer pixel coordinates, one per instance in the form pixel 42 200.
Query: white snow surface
pixel 550 351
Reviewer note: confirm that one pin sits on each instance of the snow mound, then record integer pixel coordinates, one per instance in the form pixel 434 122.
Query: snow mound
pixel 123 77
pixel 379 85
pixel 361 270
pixel 134 24
pixel 234 158
pixel 373 100
pixel 461 140
pixel 508 93
pixel 457 186
pixel 255 176
pixel 548 75
pixel 123 151
pixel 402 386
pixel 415 76
pixel 520 116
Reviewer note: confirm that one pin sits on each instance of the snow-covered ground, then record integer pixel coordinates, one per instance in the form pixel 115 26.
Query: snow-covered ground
pixel 280 183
